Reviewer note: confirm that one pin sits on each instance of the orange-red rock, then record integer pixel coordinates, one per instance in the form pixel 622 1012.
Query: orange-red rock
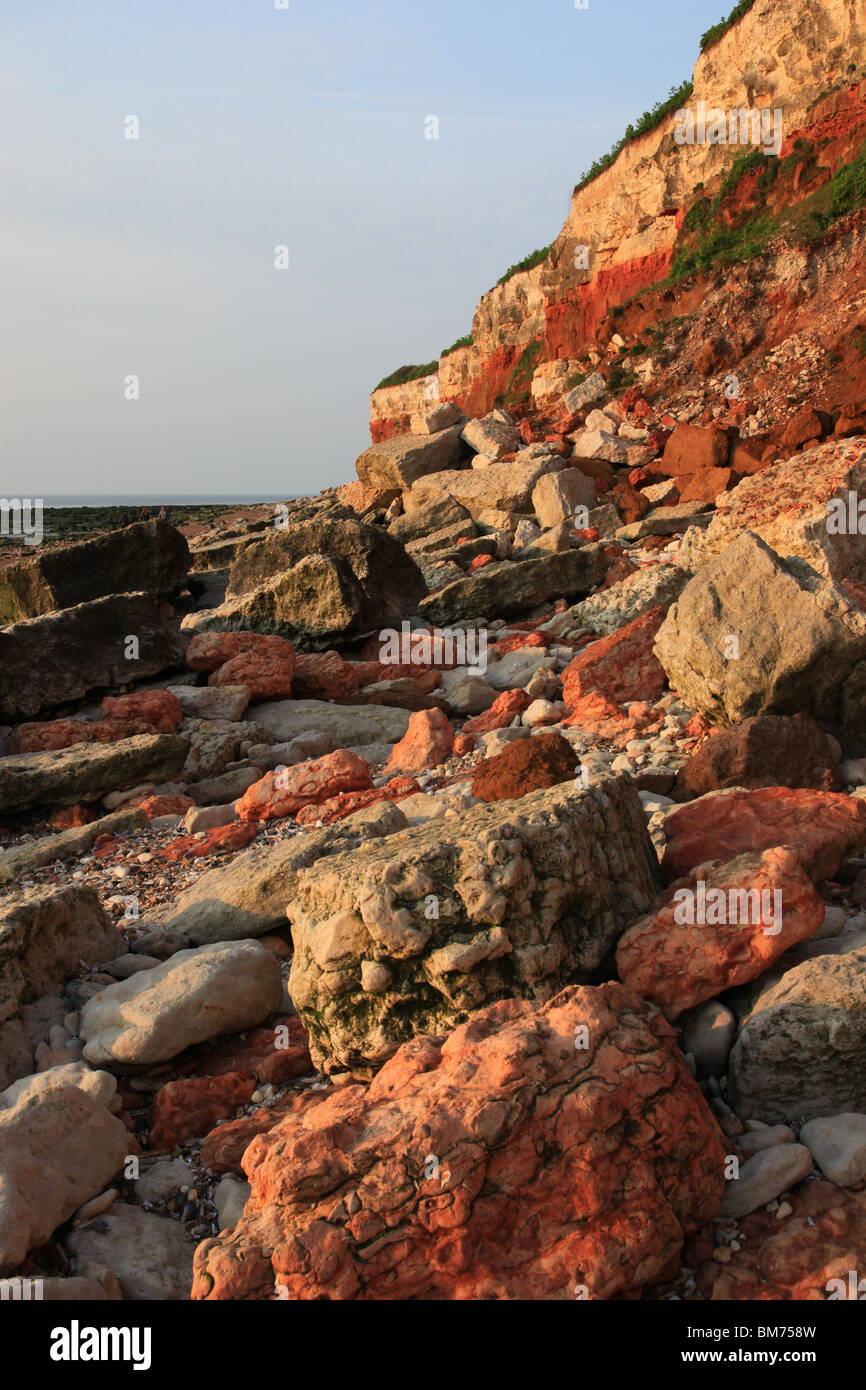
pixel 463 743
pixel 719 928
pixel 479 562
pixel 273 1054
pixel 622 666
pixel 825 828
pixel 209 650
pixel 692 449
pixel 524 766
pixel 537 1152
pixel 822 1240
pixel 217 841
pixel 771 750
pixel 516 641
pixel 158 709
pixel 224 1148
pixel 336 807
pixel 602 717
pixel 323 676
pixel 620 569
pixel 283 793
pixel 267 672
pixel 68 816
pixel 504 708
pixel 427 742
pixel 174 805
pixel 188 1108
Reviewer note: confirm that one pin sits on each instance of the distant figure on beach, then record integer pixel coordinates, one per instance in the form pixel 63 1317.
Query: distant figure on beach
pixel 145 514
pixel 163 514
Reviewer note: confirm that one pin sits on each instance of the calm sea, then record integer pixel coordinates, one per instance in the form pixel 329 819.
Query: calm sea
pixel 140 499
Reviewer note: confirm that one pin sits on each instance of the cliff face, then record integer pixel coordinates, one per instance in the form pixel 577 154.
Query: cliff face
pixel 804 59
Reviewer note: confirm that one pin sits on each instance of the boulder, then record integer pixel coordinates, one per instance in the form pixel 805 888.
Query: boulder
pixel 801 1052
pixel 349 725
pixel 719 928
pixel 594 389
pixel 492 435
pixel 825 828
pixel 509 899
pixel 150 1255
pixel 770 751
pixel 801 650
pixel 525 766
pixel 320 581
pixel 505 587
pixel 556 496
pixel 283 793
pixel 152 1016
pixel 802 507
pixel 655 586
pixel 505 487
pixel 763 1177
pixel 400 461
pixel 622 667
pixel 48 661
pixel 838 1145
pixel 427 742
pixel 266 670
pixel 436 418
pixel 667 521
pixel 516 1165
pixel 149 556
pixel 45 934
pixel 59 1147
pixel 693 449
pixel 440 518
pixel 85 772
pixel 192 1106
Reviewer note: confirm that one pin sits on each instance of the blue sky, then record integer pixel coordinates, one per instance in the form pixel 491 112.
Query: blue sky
pixel 261 127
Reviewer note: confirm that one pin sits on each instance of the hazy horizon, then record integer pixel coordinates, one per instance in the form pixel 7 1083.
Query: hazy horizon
pixel 260 127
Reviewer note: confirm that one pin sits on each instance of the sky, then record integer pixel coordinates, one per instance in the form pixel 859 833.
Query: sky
pixel 150 341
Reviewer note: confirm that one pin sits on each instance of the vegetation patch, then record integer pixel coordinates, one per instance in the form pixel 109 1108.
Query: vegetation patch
pixel 648 121
pixel 528 263
pixel 404 374
pixel 465 341
pixel 715 32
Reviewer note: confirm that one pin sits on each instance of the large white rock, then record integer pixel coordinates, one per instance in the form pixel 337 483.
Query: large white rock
pixel 151 1255
pixel 838 1146
pixel 765 1176
pixel 556 495
pixel 58 1148
pixel 220 988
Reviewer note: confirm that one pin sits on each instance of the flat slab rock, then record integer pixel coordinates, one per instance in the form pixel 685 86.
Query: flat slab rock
pixel 511 899
pixel 248 897
pixel 47 661
pixel 502 1162
pixel 507 586
pixel 87 771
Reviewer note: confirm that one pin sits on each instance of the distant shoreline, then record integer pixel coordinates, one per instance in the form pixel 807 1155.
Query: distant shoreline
pixel 193 499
